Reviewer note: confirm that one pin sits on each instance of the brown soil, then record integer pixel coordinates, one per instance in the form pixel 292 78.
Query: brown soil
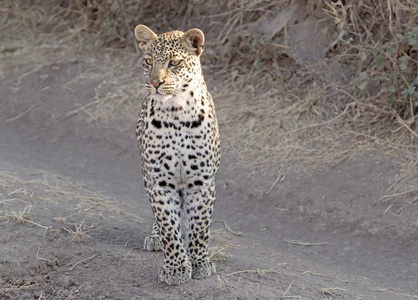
pixel 73 210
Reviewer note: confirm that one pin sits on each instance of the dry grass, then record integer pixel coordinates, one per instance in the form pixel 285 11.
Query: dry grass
pixel 22 196
pixel 334 292
pixel 260 272
pixel 379 40
pixel 219 253
pixel 79 235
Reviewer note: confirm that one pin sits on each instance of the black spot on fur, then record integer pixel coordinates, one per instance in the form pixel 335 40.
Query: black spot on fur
pixel 161 156
pixel 198 122
pixel 186 124
pixel 157 124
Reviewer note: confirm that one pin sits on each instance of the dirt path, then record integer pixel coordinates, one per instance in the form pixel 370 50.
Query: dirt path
pixel 267 262
pixel 73 212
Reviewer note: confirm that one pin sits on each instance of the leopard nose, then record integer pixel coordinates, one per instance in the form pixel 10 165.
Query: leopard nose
pixel 156 83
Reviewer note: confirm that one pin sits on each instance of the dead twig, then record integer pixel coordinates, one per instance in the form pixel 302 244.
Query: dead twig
pixel 76 111
pixel 387 197
pixel 258 271
pixel 294 242
pixel 280 179
pixel 403 124
pixel 83 260
pixel 229 228
pixel 288 288
pixel 23 113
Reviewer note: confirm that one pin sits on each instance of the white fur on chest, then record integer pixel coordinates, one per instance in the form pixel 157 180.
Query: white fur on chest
pixel 181 107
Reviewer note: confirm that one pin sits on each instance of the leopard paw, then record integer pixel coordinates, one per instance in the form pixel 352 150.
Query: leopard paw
pixel 153 243
pixel 175 276
pixel 204 269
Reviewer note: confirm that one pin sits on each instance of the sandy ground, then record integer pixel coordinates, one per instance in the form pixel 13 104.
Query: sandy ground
pixel 73 211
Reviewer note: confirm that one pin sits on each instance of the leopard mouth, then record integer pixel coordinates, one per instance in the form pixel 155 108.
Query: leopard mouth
pixel 154 91
pixel 157 91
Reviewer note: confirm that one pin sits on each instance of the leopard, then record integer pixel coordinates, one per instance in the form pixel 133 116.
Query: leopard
pixel 178 138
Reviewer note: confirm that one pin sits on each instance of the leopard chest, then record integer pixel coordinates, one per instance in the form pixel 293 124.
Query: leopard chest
pixel 179 139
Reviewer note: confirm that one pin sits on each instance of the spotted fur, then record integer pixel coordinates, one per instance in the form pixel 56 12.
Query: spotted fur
pixel 177 133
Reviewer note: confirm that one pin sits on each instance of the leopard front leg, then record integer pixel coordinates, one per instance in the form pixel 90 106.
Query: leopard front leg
pixel 166 205
pixel 153 241
pixel 199 204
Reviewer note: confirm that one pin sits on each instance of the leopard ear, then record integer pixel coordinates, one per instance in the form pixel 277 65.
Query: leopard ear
pixel 145 36
pixel 194 41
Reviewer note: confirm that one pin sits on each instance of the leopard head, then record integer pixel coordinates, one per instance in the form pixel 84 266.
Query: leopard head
pixel 171 60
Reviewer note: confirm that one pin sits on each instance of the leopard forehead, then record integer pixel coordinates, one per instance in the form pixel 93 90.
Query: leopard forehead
pixel 168 45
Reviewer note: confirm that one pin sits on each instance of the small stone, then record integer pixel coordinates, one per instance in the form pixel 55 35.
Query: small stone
pixel 18 282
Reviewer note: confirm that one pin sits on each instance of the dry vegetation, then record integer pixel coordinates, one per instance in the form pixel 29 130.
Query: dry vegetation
pixel 19 195
pixel 284 102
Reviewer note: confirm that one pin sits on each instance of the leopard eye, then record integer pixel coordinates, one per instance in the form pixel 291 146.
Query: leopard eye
pixel 148 61
pixel 174 63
